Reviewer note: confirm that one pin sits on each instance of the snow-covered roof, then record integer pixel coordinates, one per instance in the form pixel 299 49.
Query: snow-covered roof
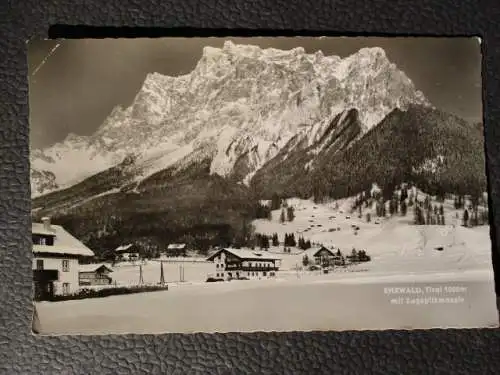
pixel 314 250
pixel 93 267
pixel 64 242
pixel 174 246
pixel 122 248
pixel 246 254
pixel 38 228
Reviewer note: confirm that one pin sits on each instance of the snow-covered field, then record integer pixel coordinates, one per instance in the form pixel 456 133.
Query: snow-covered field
pixel 282 305
pixel 174 271
pixel 352 298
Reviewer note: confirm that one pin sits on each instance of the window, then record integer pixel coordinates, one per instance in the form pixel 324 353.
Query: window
pixel 65 288
pixel 39 264
pixel 65 265
pixel 264 273
pixel 42 240
pixel 216 266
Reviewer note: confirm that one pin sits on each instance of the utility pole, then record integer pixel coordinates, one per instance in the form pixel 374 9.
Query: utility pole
pixel 162 275
pixel 141 279
pixel 181 273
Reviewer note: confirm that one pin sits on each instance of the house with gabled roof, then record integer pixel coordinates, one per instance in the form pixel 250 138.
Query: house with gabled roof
pixel 56 256
pixel 95 274
pixel 323 256
pixel 176 249
pixel 127 252
pixel 244 264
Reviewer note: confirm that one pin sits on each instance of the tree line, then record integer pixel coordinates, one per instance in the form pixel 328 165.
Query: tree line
pixel 424 211
pixel 264 241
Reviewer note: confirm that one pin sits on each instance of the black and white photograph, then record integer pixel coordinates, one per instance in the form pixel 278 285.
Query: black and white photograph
pixel 258 184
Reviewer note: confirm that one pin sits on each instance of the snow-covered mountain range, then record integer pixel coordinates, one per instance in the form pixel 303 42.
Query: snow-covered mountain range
pixel 239 100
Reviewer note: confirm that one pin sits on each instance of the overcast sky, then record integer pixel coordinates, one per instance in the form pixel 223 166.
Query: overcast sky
pixel 81 82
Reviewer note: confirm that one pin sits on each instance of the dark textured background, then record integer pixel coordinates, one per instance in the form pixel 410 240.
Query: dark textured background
pixel 430 352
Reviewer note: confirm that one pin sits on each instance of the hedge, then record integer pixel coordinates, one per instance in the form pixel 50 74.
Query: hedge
pixel 106 292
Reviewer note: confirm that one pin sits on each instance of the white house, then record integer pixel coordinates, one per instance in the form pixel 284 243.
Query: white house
pixel 244 264
pixel 56 255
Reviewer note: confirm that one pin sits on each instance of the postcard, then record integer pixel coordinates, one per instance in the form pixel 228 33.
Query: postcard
pixel 258 184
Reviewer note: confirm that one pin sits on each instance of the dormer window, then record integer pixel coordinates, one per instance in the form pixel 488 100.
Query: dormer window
pixel 43 240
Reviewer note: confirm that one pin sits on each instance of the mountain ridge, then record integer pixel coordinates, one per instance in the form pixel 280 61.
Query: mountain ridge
pixel 244 99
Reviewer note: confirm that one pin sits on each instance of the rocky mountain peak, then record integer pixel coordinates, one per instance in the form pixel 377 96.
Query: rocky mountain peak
pixel 240 99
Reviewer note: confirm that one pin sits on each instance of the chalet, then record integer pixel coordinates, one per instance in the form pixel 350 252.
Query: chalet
pixel 94 274
pixel 176 249
pixel 128 252
pixel 56 255
pixel 244 264
pixel 323 256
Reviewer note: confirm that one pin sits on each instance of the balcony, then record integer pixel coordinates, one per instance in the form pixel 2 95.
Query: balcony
pixel 240 267
pixel 45 275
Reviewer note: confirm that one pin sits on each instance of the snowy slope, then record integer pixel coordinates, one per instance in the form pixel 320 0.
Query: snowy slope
pixel 242 99
pixel 395 245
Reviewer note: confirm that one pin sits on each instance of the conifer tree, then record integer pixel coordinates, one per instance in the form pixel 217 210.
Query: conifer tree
pixel 305 260
pixel 354 255
pixel 282 216
pixel 391 207
pixel 275 240
pixel 275 202
pixel 404 195
pixel 404 208
pixel 466 218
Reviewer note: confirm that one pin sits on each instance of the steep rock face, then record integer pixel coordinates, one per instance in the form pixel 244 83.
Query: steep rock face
pixel 241 105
